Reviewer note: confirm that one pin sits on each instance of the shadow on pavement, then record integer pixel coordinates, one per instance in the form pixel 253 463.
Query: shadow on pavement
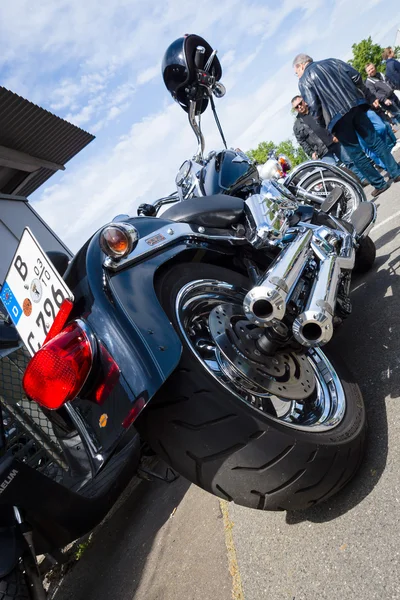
pixel 112 566
pixel 370 345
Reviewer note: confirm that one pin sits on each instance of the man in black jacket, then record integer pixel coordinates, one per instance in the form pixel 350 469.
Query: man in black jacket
pixel 381 88
pixel 316 141
pixel 333 91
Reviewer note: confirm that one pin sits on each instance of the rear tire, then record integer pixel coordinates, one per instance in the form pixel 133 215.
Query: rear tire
pixel 235 451
pixel 365 255
pixel 13 586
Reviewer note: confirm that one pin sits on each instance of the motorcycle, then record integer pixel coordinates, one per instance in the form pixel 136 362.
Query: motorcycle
pixel 199 332
pixel 312 181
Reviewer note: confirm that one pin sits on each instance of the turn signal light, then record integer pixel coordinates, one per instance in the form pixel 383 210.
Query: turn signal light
pixel 58 370
pixel 118 239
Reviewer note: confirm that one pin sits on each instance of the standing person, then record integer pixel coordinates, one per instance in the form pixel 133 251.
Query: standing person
pixel 332 90
pixel 380 87
pixel 316 141
pixel 392 68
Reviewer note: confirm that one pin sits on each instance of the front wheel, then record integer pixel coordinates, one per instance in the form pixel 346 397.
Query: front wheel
pixel 274 433
pixel 322 182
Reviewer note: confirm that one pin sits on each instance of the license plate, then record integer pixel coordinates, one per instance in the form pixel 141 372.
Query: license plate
pixel 33 292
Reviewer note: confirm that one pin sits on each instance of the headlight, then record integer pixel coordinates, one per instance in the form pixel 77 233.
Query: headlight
pixel 118 239
pixel 183 172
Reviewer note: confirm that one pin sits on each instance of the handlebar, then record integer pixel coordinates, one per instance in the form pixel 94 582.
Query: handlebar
pixel 151 209
pixel 199 57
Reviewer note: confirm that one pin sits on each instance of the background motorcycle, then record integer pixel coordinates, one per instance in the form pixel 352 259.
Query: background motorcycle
pixel 312 182
pixel 199 331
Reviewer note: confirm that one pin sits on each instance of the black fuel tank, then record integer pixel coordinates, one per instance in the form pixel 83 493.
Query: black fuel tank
pixel 228 172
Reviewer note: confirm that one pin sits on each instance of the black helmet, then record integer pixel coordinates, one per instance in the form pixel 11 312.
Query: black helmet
pixel 180 72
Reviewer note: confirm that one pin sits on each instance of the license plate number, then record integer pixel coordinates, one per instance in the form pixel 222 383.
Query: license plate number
pixel 33 292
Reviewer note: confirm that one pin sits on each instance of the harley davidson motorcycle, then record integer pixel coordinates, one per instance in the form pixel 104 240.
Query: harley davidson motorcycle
pixel 201 332
pixel 313 180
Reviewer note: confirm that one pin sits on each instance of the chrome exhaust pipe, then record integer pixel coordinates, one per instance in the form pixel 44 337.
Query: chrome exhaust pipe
pixel 314 326
pixel 267 301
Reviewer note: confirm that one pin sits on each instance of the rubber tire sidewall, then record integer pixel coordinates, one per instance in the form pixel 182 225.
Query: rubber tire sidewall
pixel 14 586
pixel 365 255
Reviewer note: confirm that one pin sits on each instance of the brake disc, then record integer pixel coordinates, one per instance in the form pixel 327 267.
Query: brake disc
pixel 285 374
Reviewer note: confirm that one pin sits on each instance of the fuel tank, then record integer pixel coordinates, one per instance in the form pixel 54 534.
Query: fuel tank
pixel 229 172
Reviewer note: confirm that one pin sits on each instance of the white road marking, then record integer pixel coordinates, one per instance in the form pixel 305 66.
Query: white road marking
pixel 397 214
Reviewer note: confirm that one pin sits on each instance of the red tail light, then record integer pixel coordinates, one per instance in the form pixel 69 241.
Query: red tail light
pixel 59 369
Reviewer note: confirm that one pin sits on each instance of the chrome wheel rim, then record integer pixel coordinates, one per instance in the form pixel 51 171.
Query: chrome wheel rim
pixel 322 412
pixel 326 183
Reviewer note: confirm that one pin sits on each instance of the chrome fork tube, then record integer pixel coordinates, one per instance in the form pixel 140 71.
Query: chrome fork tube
pixel 197 131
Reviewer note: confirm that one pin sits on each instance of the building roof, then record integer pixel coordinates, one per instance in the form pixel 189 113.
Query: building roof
pixel 34 144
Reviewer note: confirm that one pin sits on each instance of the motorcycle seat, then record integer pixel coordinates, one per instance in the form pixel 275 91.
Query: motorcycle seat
pixel 209 211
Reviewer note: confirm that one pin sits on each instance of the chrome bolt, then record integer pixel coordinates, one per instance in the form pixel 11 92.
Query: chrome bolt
pixel 315 316
pixel 257 352
pixel 201 230
pixel 275 361
pixel 269 294
pixel 246 309
pixel 170 231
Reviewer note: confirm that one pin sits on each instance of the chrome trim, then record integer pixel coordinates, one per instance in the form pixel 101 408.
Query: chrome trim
pixel 278 281
pixel 317 165
pixel 130 231
pixel 91 442
pixel 168 235
pixel 314 326
pixel 166 200
pixel 199 156
pixel 269 218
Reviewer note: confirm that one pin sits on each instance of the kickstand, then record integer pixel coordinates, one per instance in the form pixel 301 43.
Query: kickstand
pixel 169 477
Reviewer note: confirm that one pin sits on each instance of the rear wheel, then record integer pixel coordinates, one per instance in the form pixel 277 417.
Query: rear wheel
pixel 365 255
pixel 281 432
pixel 14 586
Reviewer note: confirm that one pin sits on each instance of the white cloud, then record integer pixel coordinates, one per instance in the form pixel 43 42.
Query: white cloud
pixel 107 52
pixel 148 74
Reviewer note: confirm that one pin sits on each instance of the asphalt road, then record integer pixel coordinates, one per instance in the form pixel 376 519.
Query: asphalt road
pixel 177 542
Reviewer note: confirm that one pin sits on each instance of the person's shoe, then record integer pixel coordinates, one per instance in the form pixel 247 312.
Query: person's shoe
pixel 396 179
pixel 378 191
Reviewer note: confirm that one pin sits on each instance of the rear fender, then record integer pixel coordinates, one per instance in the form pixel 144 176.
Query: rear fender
pixel 123 311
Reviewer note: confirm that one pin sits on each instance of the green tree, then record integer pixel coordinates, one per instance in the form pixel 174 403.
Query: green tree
pixel 367 52
pixel 260 154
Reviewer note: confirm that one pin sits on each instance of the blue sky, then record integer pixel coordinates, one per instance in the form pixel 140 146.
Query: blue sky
pixel 98 65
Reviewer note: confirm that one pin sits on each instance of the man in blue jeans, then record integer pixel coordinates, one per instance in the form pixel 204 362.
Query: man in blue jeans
pixel 332 90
